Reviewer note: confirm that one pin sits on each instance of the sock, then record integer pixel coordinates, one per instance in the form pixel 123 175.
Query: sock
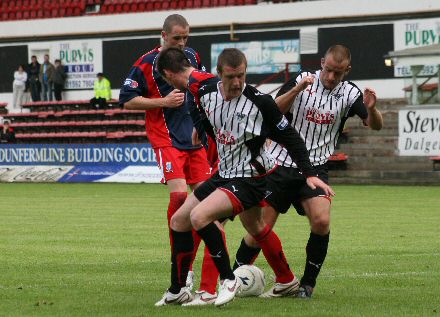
pixel 273 252
pixel 176 200
pixel 316 251
pixel 197 241
pixel 182 251
pixel 210 273
pixel 245 255
pixel 212 237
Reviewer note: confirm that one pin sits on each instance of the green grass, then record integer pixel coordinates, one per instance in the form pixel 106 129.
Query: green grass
pixel 103 250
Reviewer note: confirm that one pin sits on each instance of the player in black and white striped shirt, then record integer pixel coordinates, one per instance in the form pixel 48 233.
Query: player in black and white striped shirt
pixel 318 103
pixel 241 118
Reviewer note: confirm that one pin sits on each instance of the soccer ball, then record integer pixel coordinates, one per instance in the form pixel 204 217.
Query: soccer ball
pixel 251 279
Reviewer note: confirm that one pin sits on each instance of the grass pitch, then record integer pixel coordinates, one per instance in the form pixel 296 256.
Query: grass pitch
pixel 103 250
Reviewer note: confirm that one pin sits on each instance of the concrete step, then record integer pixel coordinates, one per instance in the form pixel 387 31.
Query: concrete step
pixel 368 152
pixel 384 177
pixel 390 165
pixel 348 147
pixel 389 131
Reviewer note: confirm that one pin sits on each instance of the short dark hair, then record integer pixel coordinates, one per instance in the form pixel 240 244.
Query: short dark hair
pixel 100 75
pixel 232 57
pixel 340 53
pixel 57 61
pixel 172 20
pixel 172 59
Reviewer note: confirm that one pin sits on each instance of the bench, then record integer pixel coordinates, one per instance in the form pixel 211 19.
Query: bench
pixel 435 162
pixel 3 109
pixel 338 161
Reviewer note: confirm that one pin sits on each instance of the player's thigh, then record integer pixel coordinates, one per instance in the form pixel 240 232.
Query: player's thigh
pixel 317 210
pixel 181 220
pixel 197 168
pixel 216 206
pixel 252 220
pixel 270 215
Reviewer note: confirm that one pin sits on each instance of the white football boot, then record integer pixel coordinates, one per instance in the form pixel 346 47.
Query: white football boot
pixel 283 290
pixel 227 291
pixel 169 298
pixel 202 298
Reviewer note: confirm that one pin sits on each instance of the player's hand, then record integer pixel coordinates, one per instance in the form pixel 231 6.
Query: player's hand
pixel 195 137
pixel 305 82
pixel 174 99
pixel 314 182
pixel 370 98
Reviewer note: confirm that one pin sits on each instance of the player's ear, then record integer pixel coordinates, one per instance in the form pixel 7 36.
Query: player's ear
pixel 347 70
pixel 164 35
pixel 322 62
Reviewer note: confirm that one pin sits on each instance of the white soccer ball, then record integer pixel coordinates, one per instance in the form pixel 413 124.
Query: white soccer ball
pixel 252 280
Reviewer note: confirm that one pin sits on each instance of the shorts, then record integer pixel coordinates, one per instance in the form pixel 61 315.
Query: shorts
pixel 243 193
pixel 286 186
pixel 191 165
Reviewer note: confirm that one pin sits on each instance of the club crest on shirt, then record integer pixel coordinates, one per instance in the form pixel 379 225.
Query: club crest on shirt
pixel 337 96
pixel 131 83
pixel 168 167
pixel 283 123
pixel 240 116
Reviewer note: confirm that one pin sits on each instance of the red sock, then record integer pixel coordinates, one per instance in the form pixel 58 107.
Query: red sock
pixel 176 200
pixel 273 252
pixel 210 273
pixel 197 240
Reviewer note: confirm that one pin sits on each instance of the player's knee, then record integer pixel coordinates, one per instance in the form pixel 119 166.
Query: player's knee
pixel 320 224
pixel 179 222
pixel 198 220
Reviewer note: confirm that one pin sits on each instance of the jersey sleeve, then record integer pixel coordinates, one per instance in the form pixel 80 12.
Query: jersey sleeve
pixel 286 87
pixel 358 108
pixel 279 130
pixel 134 86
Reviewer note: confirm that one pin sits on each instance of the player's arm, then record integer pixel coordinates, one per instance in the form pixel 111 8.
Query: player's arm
pixel 174 99
pixel 134 89
pixel 365 108
pixel 375 120
pixel 288 92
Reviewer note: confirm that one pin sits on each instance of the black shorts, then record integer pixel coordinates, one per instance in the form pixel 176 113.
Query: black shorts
pixel 244 193
pixel 287 186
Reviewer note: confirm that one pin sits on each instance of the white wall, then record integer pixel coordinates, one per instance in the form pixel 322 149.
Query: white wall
pixel 262 13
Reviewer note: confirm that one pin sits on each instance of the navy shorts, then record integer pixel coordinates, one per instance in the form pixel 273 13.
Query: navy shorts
pixel 286 186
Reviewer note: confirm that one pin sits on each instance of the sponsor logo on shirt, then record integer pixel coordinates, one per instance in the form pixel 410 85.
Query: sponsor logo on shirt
pixel 131 83
pixel 225 137
pixel 314 115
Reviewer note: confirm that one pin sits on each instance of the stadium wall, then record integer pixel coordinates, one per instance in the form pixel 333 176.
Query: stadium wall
pixel 367 27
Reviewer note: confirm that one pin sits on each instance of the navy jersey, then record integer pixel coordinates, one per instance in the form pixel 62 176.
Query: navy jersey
pixel 164 126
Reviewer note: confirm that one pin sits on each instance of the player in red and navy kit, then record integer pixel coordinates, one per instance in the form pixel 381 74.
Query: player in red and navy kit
pixel 169 125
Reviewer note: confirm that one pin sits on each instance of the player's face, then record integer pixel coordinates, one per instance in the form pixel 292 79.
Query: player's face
pixel 178 81
pixel 233 80
pixel 176 38
pixel 333 72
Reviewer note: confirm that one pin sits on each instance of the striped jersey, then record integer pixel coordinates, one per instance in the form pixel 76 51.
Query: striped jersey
pixel 319 115
pixel 241 126
pixel 164 126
